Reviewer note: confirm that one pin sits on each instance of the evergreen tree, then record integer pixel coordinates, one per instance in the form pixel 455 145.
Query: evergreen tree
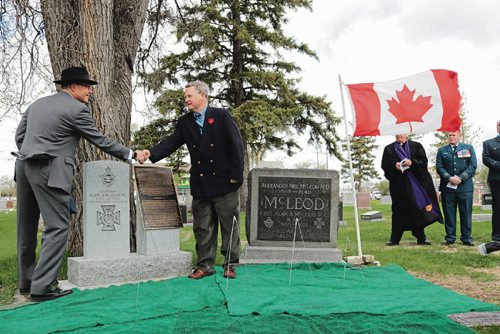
pixel 362 160
pixel 236 47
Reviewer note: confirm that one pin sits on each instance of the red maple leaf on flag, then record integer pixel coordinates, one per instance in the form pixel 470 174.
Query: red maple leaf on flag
pixel 407 110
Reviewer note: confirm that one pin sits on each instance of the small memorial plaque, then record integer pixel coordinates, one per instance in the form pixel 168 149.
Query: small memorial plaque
pixel 157 197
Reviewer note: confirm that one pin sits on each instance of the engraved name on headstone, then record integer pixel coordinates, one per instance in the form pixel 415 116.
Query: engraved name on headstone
pixel 106 209
pixel 278 198
pixel 283 200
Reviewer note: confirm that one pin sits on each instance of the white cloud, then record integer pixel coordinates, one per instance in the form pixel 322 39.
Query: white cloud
pixel 464 20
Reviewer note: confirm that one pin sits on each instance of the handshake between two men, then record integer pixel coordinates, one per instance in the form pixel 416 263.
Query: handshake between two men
pixel 141 155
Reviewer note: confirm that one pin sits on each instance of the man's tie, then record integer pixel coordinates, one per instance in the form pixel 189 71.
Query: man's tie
pixel 197 116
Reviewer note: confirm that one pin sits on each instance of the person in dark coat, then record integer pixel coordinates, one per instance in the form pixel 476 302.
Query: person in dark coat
pixel 491 159
pixel 414 200
pixel 216 151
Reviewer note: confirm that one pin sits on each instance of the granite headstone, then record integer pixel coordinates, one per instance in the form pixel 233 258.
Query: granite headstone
pixel 291 208
pixel 106 209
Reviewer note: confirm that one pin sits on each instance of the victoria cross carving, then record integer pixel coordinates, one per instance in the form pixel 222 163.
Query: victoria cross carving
pixel 108 218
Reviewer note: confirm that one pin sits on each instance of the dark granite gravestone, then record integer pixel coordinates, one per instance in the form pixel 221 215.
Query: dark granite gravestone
pixel 486 201
pixel 292 209
pixel 372 216
pixel 184 216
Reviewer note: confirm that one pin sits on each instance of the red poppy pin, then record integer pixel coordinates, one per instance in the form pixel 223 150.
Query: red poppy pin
pixel 211 120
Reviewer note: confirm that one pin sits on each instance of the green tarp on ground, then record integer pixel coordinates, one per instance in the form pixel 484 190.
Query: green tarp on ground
pixel 317 298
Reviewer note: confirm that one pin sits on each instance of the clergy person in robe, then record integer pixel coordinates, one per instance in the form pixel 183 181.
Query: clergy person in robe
pixel 414 199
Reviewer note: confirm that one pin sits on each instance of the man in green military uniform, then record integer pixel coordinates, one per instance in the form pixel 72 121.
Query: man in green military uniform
pixel 456 165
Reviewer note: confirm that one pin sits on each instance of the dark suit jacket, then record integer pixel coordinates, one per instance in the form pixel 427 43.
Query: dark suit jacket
pixel 216 156
pixel 491 159
pixel 51 128
pixel 449 164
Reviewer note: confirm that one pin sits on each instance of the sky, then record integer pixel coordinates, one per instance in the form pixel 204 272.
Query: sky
pixel 380 40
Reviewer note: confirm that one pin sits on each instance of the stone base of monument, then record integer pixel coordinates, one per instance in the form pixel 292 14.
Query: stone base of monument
pixel 266 254
pixel 84 272
pixel 153 242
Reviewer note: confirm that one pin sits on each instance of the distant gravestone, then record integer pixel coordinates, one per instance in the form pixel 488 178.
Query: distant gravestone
pixel 364 200
pixel 3 204
pixel 270 164
pixel 348 197
pixel 486 201
pixel 106 223
pixel 289 204
pixel 385 200
pixel 372 216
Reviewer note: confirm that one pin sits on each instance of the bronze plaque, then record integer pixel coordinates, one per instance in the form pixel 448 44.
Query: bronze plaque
pixel 157 197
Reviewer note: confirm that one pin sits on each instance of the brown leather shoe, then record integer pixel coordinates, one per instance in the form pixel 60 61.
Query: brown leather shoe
pixel 198 273
pixel 230 272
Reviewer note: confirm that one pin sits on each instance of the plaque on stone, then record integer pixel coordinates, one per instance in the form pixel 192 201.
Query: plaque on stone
pixel 157 197
pixel 290 204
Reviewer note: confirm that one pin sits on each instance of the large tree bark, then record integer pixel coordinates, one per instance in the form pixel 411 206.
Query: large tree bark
pixel 104 36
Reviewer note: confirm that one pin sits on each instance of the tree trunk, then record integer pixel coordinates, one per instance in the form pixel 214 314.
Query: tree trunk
pixel 103 36
pixel 237 91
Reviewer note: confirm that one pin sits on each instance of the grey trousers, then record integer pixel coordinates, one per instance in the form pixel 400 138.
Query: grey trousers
pixel 35 197
pixel 207 213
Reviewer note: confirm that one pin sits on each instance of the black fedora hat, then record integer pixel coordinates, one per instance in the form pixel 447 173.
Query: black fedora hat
pixel 75 74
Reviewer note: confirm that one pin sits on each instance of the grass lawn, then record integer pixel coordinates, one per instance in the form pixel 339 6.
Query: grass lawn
pixel 457 267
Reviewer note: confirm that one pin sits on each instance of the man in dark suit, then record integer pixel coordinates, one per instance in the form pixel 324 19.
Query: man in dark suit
pixel 491 159
pixel 414 200
pixel 47 137
pixel 216 151
pixel 456 165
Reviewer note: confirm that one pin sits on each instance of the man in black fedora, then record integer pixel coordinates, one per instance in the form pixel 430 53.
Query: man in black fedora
pixel 47 137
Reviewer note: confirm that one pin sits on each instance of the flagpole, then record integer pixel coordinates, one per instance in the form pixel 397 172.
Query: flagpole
pixel 348 141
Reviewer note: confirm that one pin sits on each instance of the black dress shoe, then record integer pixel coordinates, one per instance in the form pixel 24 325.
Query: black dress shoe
pixel 447 243
pixel 24 292
pixel 391 243
pixel 467 243
pixel 424 243
pixel 57 293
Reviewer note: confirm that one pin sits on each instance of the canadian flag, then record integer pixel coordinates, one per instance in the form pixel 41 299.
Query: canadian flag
pixel 429 101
